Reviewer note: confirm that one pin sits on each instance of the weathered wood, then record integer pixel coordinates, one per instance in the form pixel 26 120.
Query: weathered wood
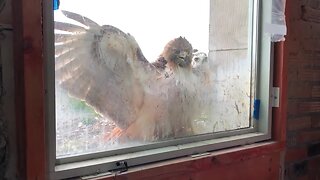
pixel 29 81
pixel 259 161
pixel 279 115
pixel 19 87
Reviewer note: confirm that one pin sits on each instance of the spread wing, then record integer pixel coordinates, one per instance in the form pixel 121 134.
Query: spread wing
pixel 103 66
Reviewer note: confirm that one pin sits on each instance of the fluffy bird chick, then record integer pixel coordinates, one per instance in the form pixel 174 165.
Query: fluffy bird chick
pixel 176 53
pixel 198 59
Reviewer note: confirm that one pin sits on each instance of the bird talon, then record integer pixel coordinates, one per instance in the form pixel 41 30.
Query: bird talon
pixel 115 134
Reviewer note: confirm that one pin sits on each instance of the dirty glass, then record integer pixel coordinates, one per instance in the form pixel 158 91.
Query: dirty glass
pixel 133 72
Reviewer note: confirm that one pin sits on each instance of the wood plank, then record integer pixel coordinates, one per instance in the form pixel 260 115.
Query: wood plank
pixel 217 164
pixel 30 78
pixel 19 87
pixel 279 115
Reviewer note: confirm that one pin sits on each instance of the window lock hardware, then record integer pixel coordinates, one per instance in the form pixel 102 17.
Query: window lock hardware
pixel 122 166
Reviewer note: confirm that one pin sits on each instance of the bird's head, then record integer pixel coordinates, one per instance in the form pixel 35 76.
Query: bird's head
pixel 178 53
pixel 199 58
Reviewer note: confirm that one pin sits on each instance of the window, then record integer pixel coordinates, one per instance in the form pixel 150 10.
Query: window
pixel 162 79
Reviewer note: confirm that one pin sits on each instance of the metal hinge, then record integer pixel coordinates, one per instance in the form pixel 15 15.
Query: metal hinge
pixel 275 97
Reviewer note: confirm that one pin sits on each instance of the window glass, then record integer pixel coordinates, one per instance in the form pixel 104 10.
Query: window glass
pixel 157 71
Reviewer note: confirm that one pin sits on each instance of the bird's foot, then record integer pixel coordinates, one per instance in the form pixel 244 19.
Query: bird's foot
pixel 113 135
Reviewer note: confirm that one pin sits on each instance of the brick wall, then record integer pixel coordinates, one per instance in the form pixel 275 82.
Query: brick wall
pixel 302 50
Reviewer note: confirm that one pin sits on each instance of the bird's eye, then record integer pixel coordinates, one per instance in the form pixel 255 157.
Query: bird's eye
pixel 196 59
pixel 177 51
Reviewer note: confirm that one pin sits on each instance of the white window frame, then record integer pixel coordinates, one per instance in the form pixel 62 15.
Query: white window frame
pixel 89 164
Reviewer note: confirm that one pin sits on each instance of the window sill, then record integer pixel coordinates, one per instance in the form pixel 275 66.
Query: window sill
pixel 243 150
pixel 176 166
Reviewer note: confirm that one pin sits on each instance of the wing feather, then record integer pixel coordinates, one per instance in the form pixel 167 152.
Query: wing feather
pixel 101 65
pixel 68 27
pixel 81 19
pixel 68 38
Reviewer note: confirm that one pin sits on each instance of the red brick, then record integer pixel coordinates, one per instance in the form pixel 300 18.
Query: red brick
pixel 314 168
pixel 306 177
pixel 291 140
pixel 301 107
pixel 314 164
pixel 292 107
pixel 309 107
pixel 315 91
pixel 315 122
pixel 299 123
pixel 306 74
pixel 296 154
pixel 299 90
pixel 311 44
pixel 298 170
pixel 299 28
pixel 308 136
pixel 313 176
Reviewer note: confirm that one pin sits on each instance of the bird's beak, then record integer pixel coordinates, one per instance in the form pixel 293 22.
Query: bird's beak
pixel 183 55
pixel 182 59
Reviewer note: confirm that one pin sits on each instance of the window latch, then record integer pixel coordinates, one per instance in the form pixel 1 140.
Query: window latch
pixel 122 166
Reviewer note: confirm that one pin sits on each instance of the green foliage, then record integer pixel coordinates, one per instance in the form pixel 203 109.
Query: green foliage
pixel 82 107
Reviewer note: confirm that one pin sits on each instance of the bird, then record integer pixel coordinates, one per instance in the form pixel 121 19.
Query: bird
pixel 148 101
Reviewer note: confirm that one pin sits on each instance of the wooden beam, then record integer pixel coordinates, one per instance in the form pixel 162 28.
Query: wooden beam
pixel 29 88
pixel 256 161
pixel 279 115
pixel 19 86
